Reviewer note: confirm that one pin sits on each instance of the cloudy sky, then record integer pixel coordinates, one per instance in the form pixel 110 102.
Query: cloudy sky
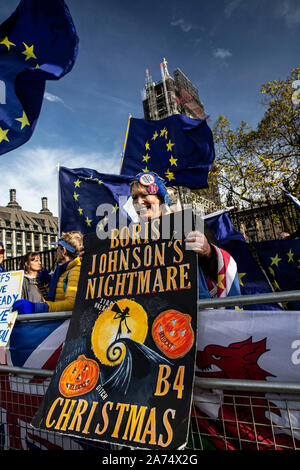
pixel 227 48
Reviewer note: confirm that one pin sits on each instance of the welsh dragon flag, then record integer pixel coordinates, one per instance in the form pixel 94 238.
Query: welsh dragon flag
pixel 247 345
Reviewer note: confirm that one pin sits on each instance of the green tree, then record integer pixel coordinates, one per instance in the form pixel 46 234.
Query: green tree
pixel 252 164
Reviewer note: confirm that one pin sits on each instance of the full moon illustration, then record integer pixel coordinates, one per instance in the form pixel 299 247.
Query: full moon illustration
pixel 122 319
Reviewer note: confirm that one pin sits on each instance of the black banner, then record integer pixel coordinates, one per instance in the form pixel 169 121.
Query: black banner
pixel 125 374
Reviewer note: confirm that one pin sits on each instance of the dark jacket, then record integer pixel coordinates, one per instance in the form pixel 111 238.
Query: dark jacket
pixel 30 290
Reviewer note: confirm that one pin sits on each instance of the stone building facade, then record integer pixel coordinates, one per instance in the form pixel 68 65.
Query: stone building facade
pixel 23 231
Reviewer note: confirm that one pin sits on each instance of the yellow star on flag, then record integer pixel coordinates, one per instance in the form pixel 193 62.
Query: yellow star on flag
pixel 275 260
pixel 173 160
pixel 99 181
pixel 163 132
pixel 275 284
pixel 75 196
pixel 80 210
pixel 145 169
pixel 7 43
pixel 241 275
pixel 155 135
pixel 290 256
pixel 29 52
pixel 271 271
pixel 220 281
pixel 3 135
pixel 169 175
pixel 77 183
pixel 115 208
pixel 147 146
pixel 88 221
pixel 169 145
pixel 146 157
pixel 23 120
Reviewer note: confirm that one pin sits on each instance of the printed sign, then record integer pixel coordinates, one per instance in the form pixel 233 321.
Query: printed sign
pixel 10 290
pixel 125 374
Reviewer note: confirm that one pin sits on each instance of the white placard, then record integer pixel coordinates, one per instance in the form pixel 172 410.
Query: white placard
pixel 10 290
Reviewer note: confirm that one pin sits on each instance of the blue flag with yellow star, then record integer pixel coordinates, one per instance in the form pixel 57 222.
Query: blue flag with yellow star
pixel 38 42
pixel 177 148
pixel 281 261
pixel 91 201
pixel 220 223
pixel 252 279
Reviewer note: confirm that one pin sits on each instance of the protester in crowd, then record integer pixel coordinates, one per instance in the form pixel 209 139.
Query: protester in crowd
pixel 31 264
pixel 2 251
pixel 64 280
pixel 290 236
pixel 152 200
pixel 284 235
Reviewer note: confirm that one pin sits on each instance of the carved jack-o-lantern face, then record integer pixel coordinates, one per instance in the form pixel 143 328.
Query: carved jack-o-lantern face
pixel 79 377
pixel 172 333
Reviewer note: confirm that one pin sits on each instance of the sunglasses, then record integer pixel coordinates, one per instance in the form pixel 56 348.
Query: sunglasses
pixel 2 251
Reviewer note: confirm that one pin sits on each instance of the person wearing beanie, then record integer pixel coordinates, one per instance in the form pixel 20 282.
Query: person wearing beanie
pixel 150 199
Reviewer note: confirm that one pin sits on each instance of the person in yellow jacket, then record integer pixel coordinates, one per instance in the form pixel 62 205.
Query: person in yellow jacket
pixel 63 282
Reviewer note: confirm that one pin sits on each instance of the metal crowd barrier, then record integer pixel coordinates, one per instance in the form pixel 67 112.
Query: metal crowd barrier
pixel 230 432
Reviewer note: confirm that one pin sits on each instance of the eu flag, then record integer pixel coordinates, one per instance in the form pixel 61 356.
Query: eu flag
pixel 178 148
pixel 220 223
pixel 281 261
pixel 88 200
pixel 252 279
pixel 38 42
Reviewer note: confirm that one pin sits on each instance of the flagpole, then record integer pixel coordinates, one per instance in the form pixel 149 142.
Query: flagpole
pixel 58 199
pixel 125 141
pixel 180 195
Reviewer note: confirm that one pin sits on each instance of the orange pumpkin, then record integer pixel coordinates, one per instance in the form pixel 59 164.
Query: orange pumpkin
pixel 173 333
pixel 79 377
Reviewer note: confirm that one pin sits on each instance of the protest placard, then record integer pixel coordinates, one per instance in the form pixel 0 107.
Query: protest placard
pixel 10 290
pixel 125 374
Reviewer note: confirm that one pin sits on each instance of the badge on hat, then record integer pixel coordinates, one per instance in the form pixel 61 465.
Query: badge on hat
pixel 152 188
pixel 146 179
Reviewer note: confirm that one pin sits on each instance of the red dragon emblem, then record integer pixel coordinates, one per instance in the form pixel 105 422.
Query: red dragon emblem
pixel 244 414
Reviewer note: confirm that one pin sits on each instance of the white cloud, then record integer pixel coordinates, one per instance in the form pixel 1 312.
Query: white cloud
pixel 184 25
pixel 289 10
pixel 33 173
pixel 53 98
pixel 221 53
pixel 231 6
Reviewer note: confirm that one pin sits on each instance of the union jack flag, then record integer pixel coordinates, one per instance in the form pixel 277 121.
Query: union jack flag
pixel 228 280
